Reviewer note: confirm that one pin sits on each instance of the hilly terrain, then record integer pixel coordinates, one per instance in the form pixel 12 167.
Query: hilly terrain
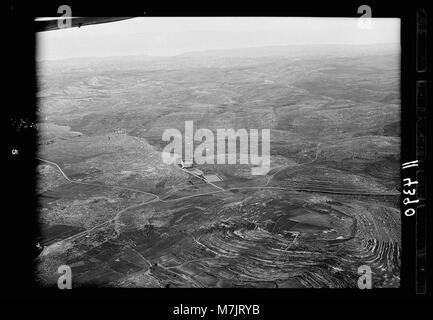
pixel 120 217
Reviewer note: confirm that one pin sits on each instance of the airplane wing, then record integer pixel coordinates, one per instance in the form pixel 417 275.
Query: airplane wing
pixel 48 25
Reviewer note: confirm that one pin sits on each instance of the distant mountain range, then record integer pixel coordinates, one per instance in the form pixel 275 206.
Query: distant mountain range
pixel 218 58
pixel 258 52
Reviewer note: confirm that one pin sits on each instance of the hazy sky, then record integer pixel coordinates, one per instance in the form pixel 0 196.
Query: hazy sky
pixel 170 36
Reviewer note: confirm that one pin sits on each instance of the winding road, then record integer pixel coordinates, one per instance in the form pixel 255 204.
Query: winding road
pixel 156 198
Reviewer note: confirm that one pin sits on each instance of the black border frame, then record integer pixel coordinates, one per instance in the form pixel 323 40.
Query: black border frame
pixel 17 270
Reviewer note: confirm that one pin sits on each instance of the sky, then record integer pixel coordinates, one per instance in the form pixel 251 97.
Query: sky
pixel 168 36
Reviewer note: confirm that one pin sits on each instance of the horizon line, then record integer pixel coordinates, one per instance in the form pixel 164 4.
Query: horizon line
pixel 216 50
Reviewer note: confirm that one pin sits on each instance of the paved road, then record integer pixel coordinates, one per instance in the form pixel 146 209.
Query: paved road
pixel 290 189
pixel 85 232
pixel 95 184
pixel 221 190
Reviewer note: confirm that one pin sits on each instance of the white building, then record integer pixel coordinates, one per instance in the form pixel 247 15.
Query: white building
pixel 185 164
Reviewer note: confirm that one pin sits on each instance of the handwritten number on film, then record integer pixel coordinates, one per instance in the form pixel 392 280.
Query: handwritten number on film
pixel 409 190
